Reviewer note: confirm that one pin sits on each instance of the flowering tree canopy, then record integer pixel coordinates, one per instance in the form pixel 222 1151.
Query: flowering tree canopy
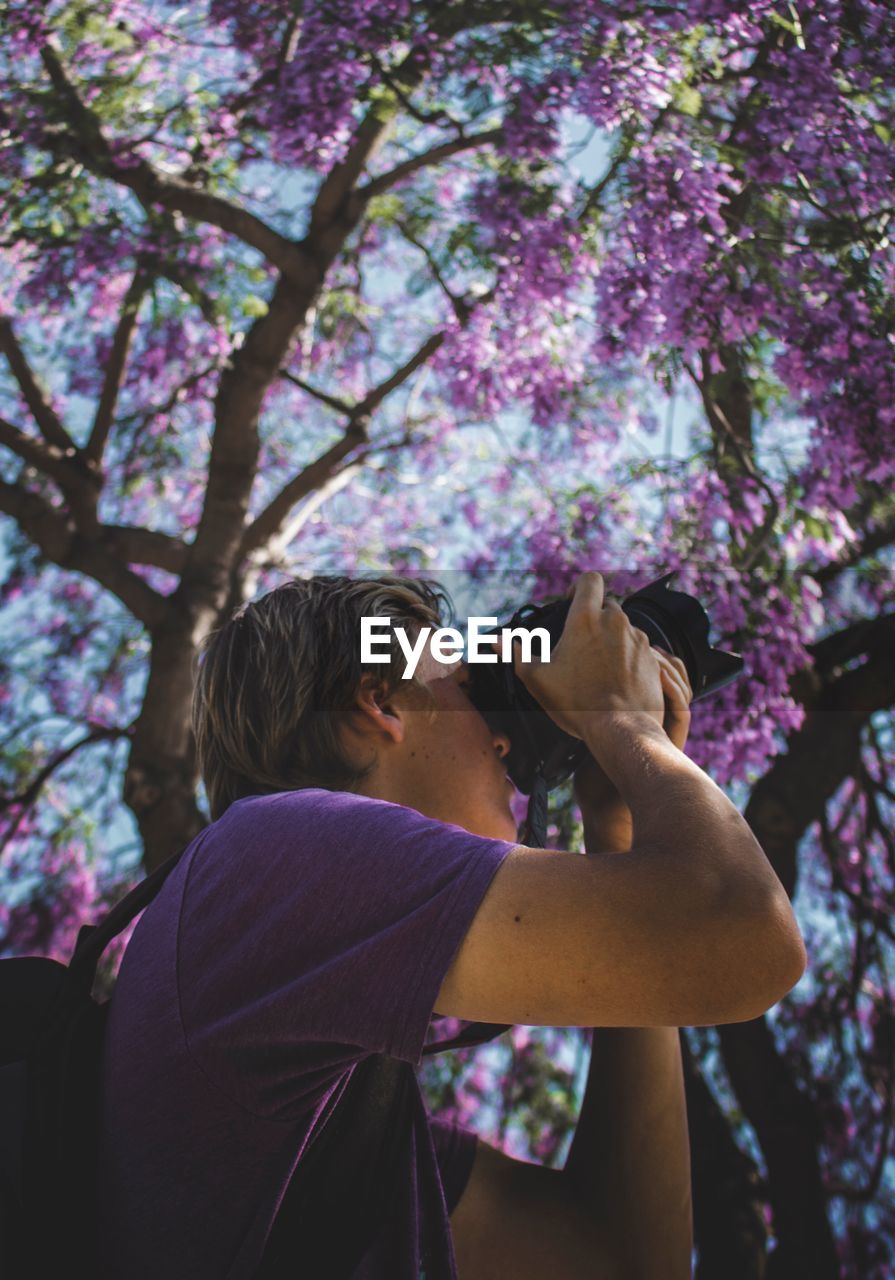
pixel 402 283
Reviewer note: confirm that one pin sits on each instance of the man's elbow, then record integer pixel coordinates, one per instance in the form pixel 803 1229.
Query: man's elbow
pixel 772 959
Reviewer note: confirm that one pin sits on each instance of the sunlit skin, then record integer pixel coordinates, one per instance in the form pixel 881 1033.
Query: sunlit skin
pixel 445 762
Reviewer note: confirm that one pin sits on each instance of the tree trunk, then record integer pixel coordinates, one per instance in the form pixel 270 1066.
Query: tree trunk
pixel 728 1196
pixel 161 776
pixel 784 1118
pixel 782 1115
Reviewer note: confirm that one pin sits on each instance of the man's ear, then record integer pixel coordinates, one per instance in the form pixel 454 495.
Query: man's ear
pixel 374 711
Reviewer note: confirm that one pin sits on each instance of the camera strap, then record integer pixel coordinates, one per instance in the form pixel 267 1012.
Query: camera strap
pixel 534 830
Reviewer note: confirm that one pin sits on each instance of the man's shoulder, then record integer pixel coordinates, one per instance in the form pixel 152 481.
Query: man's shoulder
pixel 318 800
pixel 315 828
pixel 313 848
pixel 320 811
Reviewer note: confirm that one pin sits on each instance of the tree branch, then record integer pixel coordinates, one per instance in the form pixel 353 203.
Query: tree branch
pixel 625 148
pixel 333 402
pixel 98 733
pixel 268 524
pixel 141 421
pixel 425 160
pixel 859 638
pixel 737 436
pixel 459 305
pixel 234 448
pixel 874 540
pixel 132 545
pixel 367 140
pixel 221 533
pixel 48 421
pixel 152 189
pixel 115 369
pixel 373 399
pixel 188 282
pixel 59 540
pixel 79 484
pixel 26 799
pixel 339 183
pixel 48 458
pixel 270 553
pixel 824 751
pixel 441 118
pixel 728 1197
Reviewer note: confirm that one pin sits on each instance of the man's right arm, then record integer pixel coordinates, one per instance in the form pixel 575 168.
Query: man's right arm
pixel 691 928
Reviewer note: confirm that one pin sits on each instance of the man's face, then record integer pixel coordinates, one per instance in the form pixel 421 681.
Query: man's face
pixel 451 764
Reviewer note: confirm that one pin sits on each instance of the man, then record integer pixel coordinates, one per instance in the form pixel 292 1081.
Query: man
pixel 361 873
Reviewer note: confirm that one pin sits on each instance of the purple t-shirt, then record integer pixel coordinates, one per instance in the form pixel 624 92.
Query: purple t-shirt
pixel 299 932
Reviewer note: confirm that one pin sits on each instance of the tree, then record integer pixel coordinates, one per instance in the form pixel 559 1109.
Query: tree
pixel 269 272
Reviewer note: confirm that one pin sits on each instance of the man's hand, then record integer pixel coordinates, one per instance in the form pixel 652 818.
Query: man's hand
pixel 592 786
pixel 602 665
pixel 678 696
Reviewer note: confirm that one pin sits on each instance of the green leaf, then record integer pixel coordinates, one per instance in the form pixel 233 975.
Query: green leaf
pixel 386 208
pixel 816 528
pixel 780 21
pixel 687 100
pixel 252 305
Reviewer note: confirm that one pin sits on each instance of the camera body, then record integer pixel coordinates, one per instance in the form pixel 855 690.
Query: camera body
pixel 540 752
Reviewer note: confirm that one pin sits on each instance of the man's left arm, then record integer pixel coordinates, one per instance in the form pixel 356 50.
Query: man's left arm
pixel 621 1206
pixel 629 1162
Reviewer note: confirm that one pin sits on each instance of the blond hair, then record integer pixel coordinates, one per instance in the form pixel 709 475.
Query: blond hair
pixel 272 685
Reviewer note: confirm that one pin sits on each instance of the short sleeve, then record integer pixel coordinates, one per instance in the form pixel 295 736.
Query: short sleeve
pixel 316 925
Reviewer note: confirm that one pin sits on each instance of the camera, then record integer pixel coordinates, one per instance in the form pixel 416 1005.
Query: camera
pixel 541 754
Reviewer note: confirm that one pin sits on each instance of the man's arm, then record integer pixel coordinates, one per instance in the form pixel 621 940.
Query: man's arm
pixel 629 1162
pixel 674 917
pixel 622 1205
pixel 691 928
pixel 607 820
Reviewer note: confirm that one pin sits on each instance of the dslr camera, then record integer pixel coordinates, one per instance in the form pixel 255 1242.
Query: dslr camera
pixel 541 754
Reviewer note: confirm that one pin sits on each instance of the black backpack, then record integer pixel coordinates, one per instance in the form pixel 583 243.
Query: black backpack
pixel 51 1040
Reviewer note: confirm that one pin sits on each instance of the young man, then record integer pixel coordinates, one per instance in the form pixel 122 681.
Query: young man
pixel 360 874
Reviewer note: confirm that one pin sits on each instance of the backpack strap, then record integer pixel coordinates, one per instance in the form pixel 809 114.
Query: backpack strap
pixel 474 1033
pixel 347 1182
pixel 94 938
pixel 348 1179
